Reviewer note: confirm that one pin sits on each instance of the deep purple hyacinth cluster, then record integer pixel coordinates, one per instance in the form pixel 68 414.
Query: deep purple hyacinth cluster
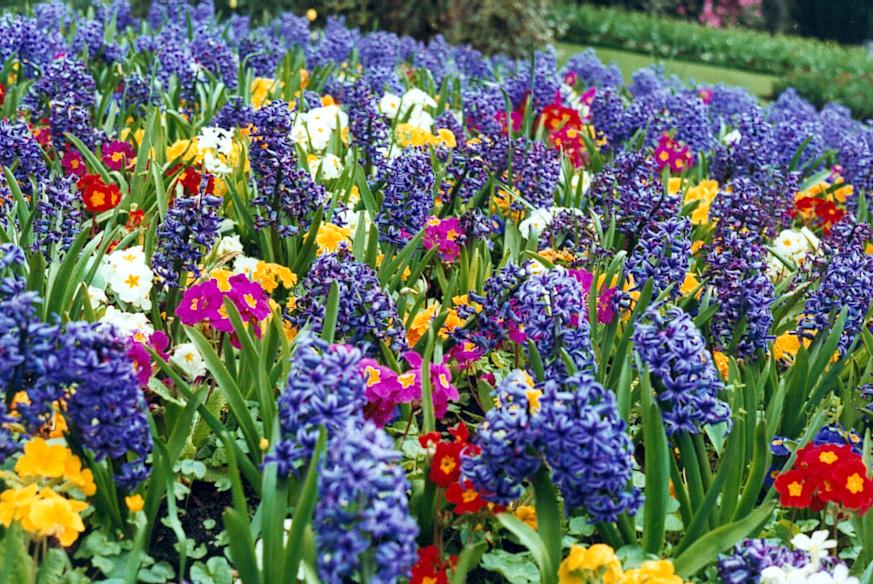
pixel 286 193
pixel 86 364
pixel 407 198
pixel 592 72
pixel 367 126
pixel 188 232
pixel 845 274
pixel 750 557
pixel 548 309
pixel 20 152
pixel 675 352
pixel 366 313
pixel 324 388
pixel 363 515
pixel 629 189
pixel 744 204
pixel 662 254
pixel 587 447
pixel 737 272
pixel 234 114
pixel 533 170
pixel 573 427
pixel 64 95
pixel 59 215
pixel 363 507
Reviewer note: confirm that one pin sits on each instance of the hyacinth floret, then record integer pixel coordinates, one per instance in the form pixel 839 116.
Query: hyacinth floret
pixel 738 273
pixel 750 557
pixel 845 274
pixel 675 352
pixel 324 388
pixel 662 254
pixel 506 449
pixel 365 311
pixel 363 512
pixel 19 149
pixel 408 198
pixel 587 447
pixel 286 193
pixel 59 215
pixel 188 232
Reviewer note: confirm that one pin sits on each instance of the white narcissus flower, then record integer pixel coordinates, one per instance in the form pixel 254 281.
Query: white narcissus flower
pixel 189 360
pixel 535 223
pixel 389 105
pixel 215 139
pixel 245 265
pixel 229 244
pixel 816 545
pixel 127 323
pixel 331 166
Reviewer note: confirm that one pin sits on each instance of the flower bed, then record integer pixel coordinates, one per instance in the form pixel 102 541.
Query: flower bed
pixel 297 302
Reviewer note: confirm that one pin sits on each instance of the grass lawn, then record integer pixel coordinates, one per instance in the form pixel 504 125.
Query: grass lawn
pixel 757 83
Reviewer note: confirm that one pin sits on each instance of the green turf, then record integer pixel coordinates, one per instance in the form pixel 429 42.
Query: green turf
pixel 757 83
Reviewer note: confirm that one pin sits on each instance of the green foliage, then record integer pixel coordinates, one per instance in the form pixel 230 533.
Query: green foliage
pixel 820 71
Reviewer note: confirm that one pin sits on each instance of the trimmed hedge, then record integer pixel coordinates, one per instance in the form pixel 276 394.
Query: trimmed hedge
pixel 821 71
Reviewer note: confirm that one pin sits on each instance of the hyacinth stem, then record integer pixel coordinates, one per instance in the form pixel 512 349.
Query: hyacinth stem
pixel 548 515
pixel 692 469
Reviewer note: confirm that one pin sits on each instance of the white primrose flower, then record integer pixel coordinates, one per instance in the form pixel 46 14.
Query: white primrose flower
pixel 189 360
pixel 127 323
pixel 535 223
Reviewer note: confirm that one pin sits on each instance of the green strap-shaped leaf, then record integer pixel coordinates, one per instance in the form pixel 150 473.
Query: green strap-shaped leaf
pixel 531 540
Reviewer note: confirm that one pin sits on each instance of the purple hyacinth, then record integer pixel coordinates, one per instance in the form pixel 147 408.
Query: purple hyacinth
pixel 18 147
pixel 213 54
pixel 587 447
pixel 532 170
pixel 366 312
pixel 592 72
pixel 59 215
pixel 663 254
pixel 367 126
pixel 363 513
pixel 286 193
pixel 675 352
pixel 738 273
pixel 407 199
pixel 753 153
pixel 507 444
pixel 324 388
pixel 187 233
pixel 741 205
pixel 750 557
pixel 107 408
pixel 234 114
pixel 630 189
pixel 845 275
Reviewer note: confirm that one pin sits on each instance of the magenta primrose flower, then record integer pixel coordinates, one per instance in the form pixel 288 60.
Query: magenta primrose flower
pixel 117 154
pixel 201 302
pixel 446 235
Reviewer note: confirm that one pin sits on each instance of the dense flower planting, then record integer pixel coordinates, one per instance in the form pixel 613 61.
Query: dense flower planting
pixel 294 302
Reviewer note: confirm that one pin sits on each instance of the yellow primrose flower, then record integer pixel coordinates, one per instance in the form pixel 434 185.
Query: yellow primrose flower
pixel 311 15
pixel 721 363
pixel 269 276
pixel 420 324
pixel 184 149
pixel 262 87
pixel 528 514
pixel 704 192
pixel 55 516
pixel 786 346
pixel 330 236
pixel 42 459
pixel 652 572
pixel 134 503
pixel 689 284
pixel 15 503
pixel 595 564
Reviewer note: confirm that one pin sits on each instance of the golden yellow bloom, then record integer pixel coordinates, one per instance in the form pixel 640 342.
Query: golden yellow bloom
pixel 42 459
pixel 420 324
pixel 55 516
pixel 721 363
pixel 705 192
pixel 452 322
pixel 184 149
pixel 528 514
pixel 696 245
pixel 652 572
pixel 689 284
pixel 15 503
pixel 262 87
pixel 595 564
pixel 269 275
pixel 674 185
pixel 786 346
pixel 311 15
pixel 330 236
pixel 555 256
pixel 134 503
pixel 82 479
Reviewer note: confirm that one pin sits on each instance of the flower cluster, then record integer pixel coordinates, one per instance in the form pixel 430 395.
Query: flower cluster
pixel 187 233
pixel 407 200
pixel 675 352
pixel 749 558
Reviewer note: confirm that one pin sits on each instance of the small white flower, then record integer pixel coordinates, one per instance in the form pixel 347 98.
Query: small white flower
pixel 96 296
pixel 535 223
pixel 214 165
pixel 215 139
pixel 188 359
pixel 330 115
pixel 127 323
pixel 773 575
pixel 130 255
pixel 389 105
pixel 353 219
pixel 331 166
pixel 733 137
pixel 816 545
pixel 245 265
pixel 229 244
